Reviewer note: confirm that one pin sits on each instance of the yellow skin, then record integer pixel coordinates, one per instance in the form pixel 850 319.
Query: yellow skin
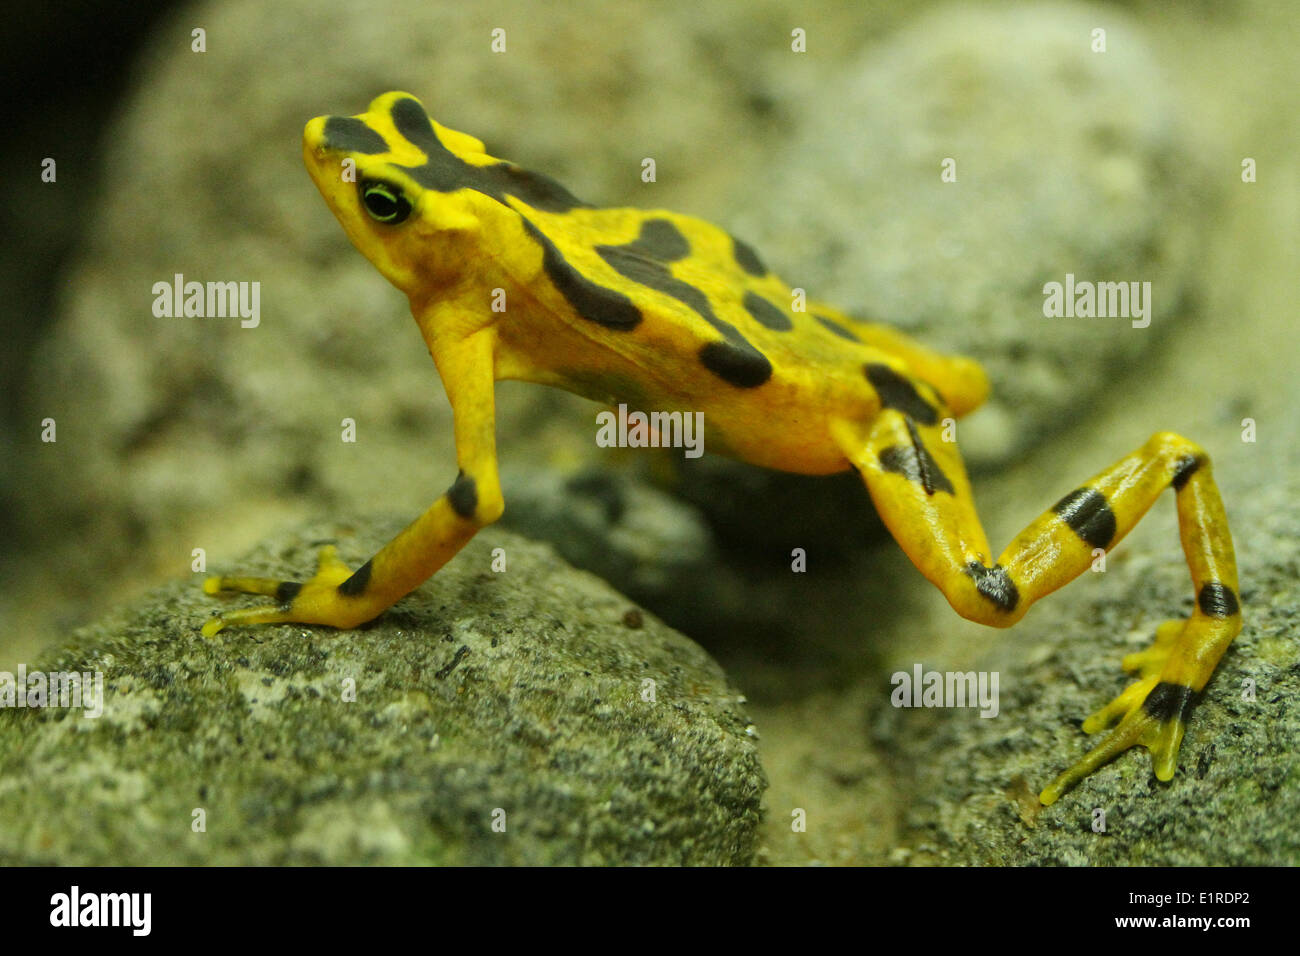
pixel 667 312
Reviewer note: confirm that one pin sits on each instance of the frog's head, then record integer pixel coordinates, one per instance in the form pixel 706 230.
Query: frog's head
pixel 396 181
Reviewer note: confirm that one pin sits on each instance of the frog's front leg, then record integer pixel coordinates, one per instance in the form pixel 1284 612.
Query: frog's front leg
pixel 339 597
pixel 919 485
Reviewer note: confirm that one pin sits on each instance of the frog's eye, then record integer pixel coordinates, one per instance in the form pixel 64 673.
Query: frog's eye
pixel 384 202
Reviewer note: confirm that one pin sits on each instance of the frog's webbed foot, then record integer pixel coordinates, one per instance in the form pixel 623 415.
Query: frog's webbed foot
pixel 1152 712
pixel 322 599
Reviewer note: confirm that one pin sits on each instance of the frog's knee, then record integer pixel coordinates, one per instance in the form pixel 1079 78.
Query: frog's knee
pixel 1182 457
pixel 985 595
pixel 1173 445
pixel 474 500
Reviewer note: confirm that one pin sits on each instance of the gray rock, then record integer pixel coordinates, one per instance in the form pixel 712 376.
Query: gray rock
pixel 518 692
pixel 641 540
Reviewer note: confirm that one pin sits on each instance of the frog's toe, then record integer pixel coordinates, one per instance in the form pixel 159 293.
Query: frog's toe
pixel 1151 661
pixel 268 614
pixel 1151 713
pixel 315 601
pixel 1120 707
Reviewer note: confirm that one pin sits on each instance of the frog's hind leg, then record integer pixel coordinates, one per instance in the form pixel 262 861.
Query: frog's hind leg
pixel 919 486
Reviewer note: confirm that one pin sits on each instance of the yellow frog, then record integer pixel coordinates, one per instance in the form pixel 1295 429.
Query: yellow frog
pixel 510 276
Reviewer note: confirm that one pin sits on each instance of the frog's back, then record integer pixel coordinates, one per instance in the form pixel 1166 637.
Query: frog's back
pixel 680 313
pixel 657 309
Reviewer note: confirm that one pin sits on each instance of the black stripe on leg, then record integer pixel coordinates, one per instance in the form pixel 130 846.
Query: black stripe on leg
pixel 1088 515
pixel 357 583
pixel 1217 600
pixel 995 584
pixel 1169 701
pixel 463 495
pixel 1185 468
pixel 932 477
pixel 287 591
pixel 916 463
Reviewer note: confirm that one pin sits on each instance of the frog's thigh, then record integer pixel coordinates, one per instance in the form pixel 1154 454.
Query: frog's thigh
pixel 960 380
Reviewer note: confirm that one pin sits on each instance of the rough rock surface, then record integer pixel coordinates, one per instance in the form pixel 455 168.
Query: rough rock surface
pixel 516 696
